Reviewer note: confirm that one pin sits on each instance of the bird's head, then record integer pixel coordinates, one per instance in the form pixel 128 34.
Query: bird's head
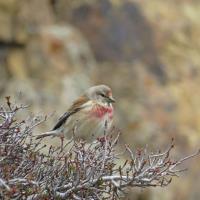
pixel 100 93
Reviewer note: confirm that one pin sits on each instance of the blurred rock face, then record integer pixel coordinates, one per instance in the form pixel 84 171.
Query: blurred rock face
pixel 116 33
pixel 51 51
pixel 52 62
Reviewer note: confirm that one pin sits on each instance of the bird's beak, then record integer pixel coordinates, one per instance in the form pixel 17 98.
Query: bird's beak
pixel 111 99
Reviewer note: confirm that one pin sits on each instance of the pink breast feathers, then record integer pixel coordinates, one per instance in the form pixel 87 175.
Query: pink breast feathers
pixel 101 111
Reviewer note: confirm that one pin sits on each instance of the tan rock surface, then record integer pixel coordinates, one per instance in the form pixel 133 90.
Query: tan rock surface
pixel 51 51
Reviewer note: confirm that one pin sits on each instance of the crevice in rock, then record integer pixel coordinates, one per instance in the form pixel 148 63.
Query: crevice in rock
pixel 10 44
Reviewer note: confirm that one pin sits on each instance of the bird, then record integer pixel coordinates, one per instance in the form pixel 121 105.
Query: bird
pixel 89 117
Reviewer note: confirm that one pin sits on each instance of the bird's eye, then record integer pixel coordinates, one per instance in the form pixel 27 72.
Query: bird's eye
pixel 103 95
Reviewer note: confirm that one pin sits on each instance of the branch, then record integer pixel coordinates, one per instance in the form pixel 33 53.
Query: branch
pixel 83 171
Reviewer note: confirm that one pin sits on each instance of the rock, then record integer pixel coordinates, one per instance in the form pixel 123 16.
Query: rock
pixel 61 49
pixel 116 33
pixel 7 13
pixel 16 64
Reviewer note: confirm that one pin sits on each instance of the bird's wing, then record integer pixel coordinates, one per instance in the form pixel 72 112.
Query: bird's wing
pixel 61 120
pixel 76 106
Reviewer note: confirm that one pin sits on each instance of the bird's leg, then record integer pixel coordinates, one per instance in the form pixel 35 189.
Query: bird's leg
pixel 61 136
pixel 61 141
pixel 105 127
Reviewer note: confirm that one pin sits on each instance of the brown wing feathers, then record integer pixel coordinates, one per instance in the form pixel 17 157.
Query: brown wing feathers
pixel 61 120
pixel 78 103
pixel 76 106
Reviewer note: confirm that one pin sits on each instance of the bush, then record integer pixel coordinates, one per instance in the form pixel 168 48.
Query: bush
pixel 85 171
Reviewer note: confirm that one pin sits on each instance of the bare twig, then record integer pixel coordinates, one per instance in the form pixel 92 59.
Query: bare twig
pixel 84 171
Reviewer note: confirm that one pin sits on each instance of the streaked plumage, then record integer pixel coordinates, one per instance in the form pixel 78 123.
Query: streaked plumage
pixel 88 117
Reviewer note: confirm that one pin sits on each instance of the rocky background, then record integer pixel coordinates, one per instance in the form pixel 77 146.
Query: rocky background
pixel 146 51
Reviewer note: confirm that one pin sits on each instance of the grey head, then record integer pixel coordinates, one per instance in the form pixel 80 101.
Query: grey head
pixel 100 93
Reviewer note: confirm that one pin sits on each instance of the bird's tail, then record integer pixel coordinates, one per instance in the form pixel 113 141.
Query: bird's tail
pixel 46 134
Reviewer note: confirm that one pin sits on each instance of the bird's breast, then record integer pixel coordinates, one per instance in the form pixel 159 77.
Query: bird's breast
pixel 90 122
pixel 102 111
